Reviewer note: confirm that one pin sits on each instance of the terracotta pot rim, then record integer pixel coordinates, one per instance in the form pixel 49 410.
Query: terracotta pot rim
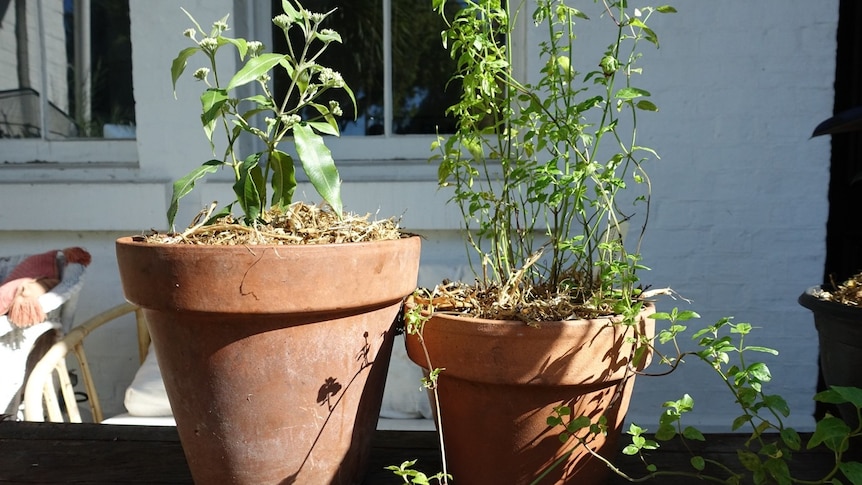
pixel 506 351
pixel 204 247
pixel 267 279
pixel 613 319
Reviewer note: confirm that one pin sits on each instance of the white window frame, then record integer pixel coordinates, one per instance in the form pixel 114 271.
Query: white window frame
pixel 47 152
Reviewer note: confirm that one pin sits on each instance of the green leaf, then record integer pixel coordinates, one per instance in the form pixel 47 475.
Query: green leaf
pixel 777 403
pixel 283 178
pixel 240 44
pixel 841 395
pixel 631 93
pixel 665 432
pixel 853 471
pixel 740 421
pixel 756 348
pixel 192 19
pixel 698 463
pixel 318 165
pixel 791 439
pixel 646 105
pixel 350 94
pixel 179 65
pixel 631 450
pixel 830 431
pixel 578 423
pixel 292 13
pixel 212 101
pixel 254 69
pixel 686 315
pixel 693 433
pixel 759 371
pixel 260 100
pixel 328 36
pixel 778 469
pixel 665 9
pixel 223 212
pixel 183 186
pixel 250 187
pixel 324 127
pixel 748 459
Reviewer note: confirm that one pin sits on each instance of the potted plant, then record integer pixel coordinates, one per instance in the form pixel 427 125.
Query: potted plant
pixel 835 305
pixel 549 174
pixel 273 328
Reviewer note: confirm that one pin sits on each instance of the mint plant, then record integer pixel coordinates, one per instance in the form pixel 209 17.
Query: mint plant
pixel 304 113
pixel 772 444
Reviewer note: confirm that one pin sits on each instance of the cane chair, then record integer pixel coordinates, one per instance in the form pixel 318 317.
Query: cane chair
pixel 41 394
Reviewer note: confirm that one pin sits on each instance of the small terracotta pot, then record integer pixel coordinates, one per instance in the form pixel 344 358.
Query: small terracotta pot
pixel 503 379
pixel 274 357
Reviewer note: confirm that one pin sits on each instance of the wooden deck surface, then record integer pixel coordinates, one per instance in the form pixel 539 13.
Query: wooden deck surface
pixel 49 453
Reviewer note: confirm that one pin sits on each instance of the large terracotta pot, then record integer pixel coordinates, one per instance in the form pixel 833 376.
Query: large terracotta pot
pixel 503 379
pixel 274 357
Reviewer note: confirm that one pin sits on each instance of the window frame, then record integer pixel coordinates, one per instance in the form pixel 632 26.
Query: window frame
pixel 35 151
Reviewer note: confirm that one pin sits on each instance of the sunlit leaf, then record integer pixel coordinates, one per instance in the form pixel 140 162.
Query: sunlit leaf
pixel 178 65
pixel 250 187
pixel 318 165
pixel 254 69
pixel 283 178
pixel 184 185
pixel 212 101
pixel 631 93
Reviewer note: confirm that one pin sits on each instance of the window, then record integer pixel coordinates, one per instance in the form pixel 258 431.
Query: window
pixel 393 59
pixel 65 70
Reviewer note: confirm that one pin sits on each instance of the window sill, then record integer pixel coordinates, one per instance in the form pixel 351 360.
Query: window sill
pixel 34 152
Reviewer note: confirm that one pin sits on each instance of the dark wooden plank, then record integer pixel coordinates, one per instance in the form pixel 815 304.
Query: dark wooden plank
pixel 395 447
pixel 102 454
pixel 90 454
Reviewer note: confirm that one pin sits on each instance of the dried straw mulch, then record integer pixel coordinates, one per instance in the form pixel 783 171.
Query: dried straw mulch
pixel 300 223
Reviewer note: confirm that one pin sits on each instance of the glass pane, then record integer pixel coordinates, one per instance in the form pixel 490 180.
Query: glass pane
pixel 85 73
pixel 108 106
pixel 421 69
pixel 21 73
pixel 359 59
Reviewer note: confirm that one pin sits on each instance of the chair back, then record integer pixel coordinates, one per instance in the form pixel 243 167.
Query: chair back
pixel 21 347
pixel 49 384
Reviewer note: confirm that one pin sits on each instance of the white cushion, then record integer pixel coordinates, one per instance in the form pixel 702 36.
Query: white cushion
pixel 127 418
pixel 404 397
pixel 146 395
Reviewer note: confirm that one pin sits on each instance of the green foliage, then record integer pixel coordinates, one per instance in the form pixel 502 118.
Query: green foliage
pixel 264 117
pixel 415 477
pixel 552 165
pixel 770 448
